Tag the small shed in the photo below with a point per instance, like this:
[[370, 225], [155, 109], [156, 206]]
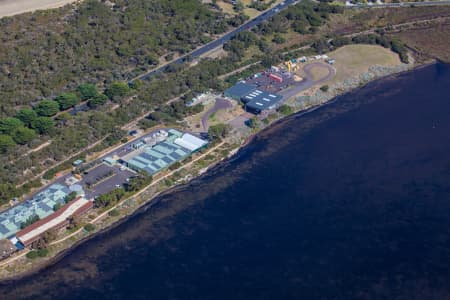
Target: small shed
[[109, 160], [77, 162]]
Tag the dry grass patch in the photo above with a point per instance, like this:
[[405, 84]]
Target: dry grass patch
[[433, 40], [215, 53], [352, 60], [319, 72], [251, 12], [227, 8], [352, 21], [194, 122], [226, 115]]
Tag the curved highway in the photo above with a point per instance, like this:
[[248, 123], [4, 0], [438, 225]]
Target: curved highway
[[222, 40], [258, 20]]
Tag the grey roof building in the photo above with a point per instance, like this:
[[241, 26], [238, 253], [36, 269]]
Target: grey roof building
[[258, 100], [41, 205], [155, 158], [255, 100], [239, 90]]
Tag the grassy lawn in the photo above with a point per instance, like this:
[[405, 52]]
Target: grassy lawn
[[226, 7], [319, 72], [251, 12], [352, 60]]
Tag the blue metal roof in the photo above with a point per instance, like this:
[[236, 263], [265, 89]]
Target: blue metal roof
[[261, 100], [240, 89]]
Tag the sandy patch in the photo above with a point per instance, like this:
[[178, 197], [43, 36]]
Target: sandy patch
[[15, 7]]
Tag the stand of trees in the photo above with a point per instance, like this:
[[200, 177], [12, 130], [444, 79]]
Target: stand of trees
[[113, 44], [28, 123], [395, 45], [218, 131], [32, 219], [304, 17], [95, 43], [98, 44]]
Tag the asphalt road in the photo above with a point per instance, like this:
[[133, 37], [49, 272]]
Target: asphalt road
[[222, 40], [265, 16], [402, 4], [309, 81]]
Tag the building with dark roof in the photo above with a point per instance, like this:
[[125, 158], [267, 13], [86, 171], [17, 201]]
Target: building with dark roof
[[239, 90], [255, 100], [262, 101]]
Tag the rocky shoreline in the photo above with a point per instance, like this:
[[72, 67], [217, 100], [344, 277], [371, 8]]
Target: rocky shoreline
[[306, 103], [319, 97]]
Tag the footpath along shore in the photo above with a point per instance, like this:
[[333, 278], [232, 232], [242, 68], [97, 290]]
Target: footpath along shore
[[19, 266], [98, 218]]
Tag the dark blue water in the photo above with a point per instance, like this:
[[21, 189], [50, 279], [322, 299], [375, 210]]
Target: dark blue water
[[351, 201]]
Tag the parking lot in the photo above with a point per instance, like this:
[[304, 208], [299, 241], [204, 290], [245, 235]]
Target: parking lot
[[263, 81], [104, 178]]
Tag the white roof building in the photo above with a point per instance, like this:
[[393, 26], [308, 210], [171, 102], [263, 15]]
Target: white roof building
[[30, 233], [190, 142]]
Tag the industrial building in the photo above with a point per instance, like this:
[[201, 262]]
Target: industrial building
[[56, 220], [152, 158], [255, 100], [41, 205], [260, 100], [239, 90]]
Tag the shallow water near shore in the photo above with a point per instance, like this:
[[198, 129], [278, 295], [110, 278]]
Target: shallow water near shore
[[350, 201]]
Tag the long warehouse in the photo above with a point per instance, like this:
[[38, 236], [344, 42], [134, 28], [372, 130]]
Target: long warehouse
[[56, 220]]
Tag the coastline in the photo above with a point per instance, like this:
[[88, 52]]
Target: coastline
[[146, 204]]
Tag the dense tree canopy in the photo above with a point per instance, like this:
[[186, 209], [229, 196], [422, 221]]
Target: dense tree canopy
[[97, 100], [47, 108], [9, 125], [23, 135], [95, 43], [27, 116], [87, 91], [43, 125], [6, 143], [67, 100], [117, 89]]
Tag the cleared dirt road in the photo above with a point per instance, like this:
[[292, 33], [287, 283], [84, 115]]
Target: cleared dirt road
[[15, 7]]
